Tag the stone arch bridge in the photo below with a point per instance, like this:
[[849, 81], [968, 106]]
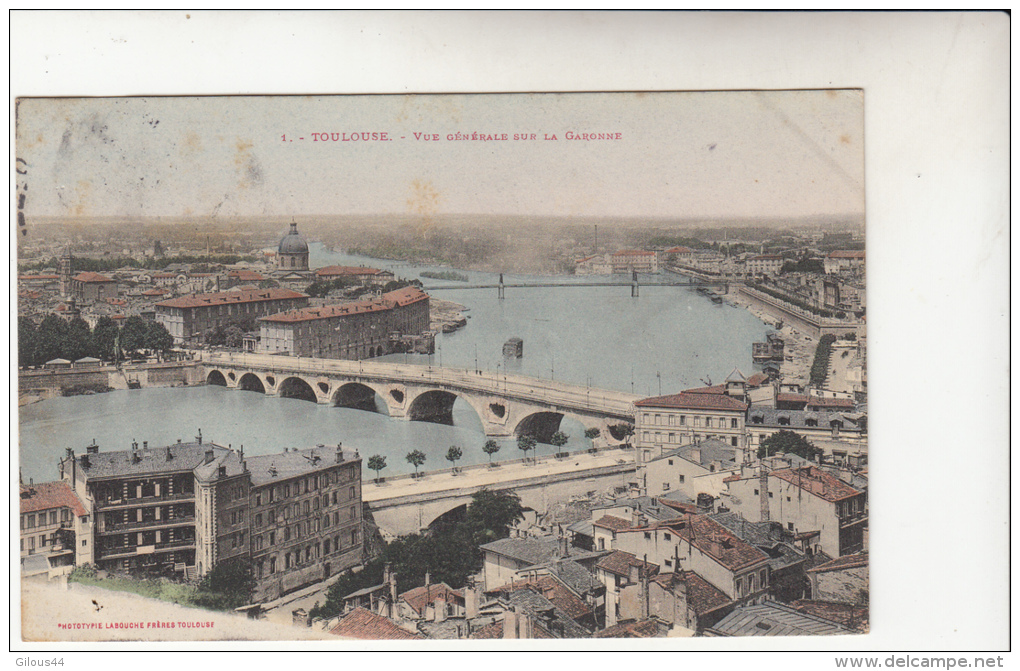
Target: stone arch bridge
[[507, 405]]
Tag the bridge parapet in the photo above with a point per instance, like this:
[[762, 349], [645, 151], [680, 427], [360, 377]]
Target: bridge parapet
[[558, 395]]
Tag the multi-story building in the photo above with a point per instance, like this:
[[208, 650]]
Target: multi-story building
[[187, 318], [353, 330], [634, 260], [823, 512], [303, 518], [92, 287], [51, 518], [765, 264], [366, 276], [663, 423], [184, 508], [843, 260]]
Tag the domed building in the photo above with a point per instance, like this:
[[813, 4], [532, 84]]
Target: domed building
[[292, 255]]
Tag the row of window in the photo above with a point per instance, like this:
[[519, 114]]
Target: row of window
[[303, 528], [44, 540], [751, 583], [303, 509], [303, 556], [648, 437], [306, 485], [681, 420], [30, 520]]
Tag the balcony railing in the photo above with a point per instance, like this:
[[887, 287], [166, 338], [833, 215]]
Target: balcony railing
[[127, 527], [136, 550], [115, 504], [852, 518]]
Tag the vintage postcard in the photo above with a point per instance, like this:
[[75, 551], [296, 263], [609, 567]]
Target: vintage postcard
[[412, 367]]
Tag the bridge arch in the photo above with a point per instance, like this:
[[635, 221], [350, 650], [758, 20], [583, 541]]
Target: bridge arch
[[296, 387], [251, 382], [541, 425], [217, 378], [359, 396], [436, 406]]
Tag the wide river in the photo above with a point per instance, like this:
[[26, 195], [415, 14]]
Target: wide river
[[668, 339]]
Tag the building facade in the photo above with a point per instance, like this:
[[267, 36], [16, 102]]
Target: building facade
[[354, 330], [187, 318], [51, 519], [366, 276], [182, 509], [826, 513], [664, 423], [93, 287]]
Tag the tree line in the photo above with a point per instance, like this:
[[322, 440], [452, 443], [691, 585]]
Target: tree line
[[148, 263], [525, 443], [57, 338]]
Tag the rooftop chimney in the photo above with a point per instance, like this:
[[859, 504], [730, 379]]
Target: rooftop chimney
[[198, 438], [169, 454], [145, 444], [209, 455], [92, 449], [339, 453]]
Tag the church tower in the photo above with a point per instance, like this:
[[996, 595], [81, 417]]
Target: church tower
[[64, 270]]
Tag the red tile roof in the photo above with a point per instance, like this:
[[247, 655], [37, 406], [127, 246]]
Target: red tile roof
[[767, 257], [633, 252], [366, 625], [714, 389], [91, 277], [702, 596], [246, 275], [757, 380], [619, 563], [682, 507], [787, 397], [551, 589], [713, 539], [153, 292], [38, 277], [48, 495], [418, 597], [611, 522], [679, 250], [489, 631], [841, 563], [387, 301], [689, 401], [229, 297], [640, 629], [816, 481], [846, 254]]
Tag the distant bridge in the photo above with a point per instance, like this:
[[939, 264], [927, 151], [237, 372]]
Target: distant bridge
[[506, 404], [633, 283]]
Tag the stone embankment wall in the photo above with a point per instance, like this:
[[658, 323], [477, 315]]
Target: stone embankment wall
[[815, 327], [148, 375]]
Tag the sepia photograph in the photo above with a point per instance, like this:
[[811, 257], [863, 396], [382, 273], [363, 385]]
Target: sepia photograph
[[518, 331], [443, 366]]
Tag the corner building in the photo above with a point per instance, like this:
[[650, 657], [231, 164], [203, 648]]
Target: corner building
[[181, 509]]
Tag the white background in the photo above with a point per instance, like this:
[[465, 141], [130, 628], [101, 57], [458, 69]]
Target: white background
[[937, 174]]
